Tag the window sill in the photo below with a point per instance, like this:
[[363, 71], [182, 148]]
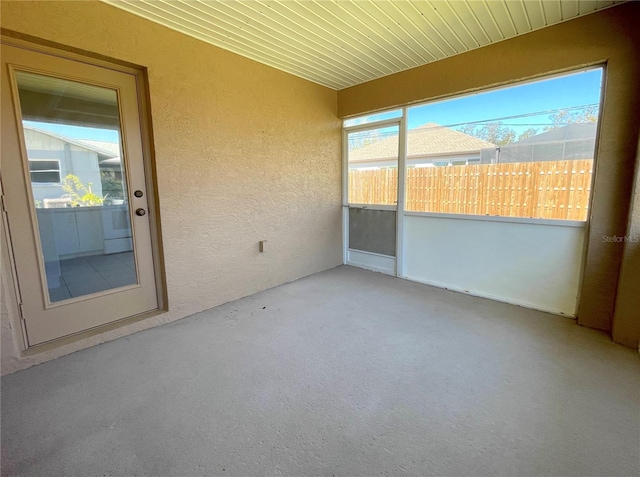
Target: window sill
[[496, 218]]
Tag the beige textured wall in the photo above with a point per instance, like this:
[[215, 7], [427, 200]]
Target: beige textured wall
[[626, 321], [243, 153], [610, 36]]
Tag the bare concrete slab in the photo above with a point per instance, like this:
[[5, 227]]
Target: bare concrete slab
[[346, 372]]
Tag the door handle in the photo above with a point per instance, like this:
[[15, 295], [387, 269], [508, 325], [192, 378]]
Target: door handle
[[140, 212]]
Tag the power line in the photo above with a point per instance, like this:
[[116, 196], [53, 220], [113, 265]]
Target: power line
[[381, 133], [525, 115]]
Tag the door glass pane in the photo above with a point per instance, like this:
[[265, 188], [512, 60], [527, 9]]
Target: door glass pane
[[78, 182], [373, 166]]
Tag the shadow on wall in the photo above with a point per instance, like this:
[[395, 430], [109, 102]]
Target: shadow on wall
[[626, 323]]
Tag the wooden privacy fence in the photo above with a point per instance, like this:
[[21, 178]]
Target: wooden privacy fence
[[548, 190]]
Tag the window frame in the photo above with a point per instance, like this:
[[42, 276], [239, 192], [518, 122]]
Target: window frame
[[58, 170], [356, 128], [402, 162]]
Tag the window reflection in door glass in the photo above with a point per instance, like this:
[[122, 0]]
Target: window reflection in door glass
[[78, 182]]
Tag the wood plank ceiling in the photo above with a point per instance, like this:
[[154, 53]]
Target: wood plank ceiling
[[342, 43]]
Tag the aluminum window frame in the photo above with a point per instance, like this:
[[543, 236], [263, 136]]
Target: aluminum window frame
[[58, 170]]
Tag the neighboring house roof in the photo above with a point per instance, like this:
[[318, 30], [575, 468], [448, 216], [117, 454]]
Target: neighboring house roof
[[112, 147], [104, 152], [571, 132], [430, 139]]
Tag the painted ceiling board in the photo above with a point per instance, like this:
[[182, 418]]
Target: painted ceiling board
[[535, 13], [378, 37], [487, 20], [430, 30], [503, 16], [553, 11], [344, 20], [587, 6], [569, 9], [302, 37], [407, 31], [446, 31], [333, 36], [345, 36], [448, 15], [411, 22], [342, 43], [519, 16], [467, 17]]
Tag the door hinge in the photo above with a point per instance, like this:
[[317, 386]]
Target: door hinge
[[21, 311], [4, 207]]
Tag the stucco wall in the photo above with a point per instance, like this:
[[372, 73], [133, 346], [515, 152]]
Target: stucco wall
[[243, 153], [610, 36], [626, 321]]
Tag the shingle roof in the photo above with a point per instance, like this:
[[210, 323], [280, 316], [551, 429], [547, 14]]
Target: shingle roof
[[430, 139]]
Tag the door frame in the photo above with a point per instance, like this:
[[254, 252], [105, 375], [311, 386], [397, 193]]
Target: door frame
[[399, 208], [13, 296]]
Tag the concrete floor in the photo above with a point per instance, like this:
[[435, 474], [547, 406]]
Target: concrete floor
[[346, 372]]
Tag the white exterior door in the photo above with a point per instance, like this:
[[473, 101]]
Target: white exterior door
[[75, 194]]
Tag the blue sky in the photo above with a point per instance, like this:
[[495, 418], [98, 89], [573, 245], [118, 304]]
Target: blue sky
[[577, 89], [551, 94], [77, 132]]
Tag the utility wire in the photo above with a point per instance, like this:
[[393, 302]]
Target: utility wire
[[383, 133]]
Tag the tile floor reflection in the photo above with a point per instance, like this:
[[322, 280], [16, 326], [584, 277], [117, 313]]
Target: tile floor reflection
[[85, 275]]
